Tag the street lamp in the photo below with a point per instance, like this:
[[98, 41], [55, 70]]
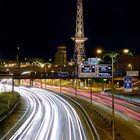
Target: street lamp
[[44, 67], [18, 64], [130, 66], [59, 69], [113, 53]]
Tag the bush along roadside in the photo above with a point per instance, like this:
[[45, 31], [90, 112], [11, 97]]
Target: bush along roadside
[[8, 102]]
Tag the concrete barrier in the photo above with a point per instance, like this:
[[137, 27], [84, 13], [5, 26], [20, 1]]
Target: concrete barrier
[[135, 97]]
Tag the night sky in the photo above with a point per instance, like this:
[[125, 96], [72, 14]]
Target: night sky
[[38, 27]]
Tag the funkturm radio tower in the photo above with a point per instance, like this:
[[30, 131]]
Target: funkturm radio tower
[[79, 50]]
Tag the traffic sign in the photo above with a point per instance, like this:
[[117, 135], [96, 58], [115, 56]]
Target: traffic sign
[[87, 71], [127, 84], [132, 73], [104, 71]]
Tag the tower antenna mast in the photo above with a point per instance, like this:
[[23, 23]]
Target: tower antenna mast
[[79, 39]]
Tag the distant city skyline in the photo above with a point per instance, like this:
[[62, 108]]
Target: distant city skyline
[[38, 27]]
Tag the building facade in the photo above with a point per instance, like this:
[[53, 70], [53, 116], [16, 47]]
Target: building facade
[[61, 56]]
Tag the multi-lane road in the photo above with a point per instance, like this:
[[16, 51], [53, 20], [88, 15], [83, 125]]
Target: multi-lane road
[[127, 114], [48, 117]]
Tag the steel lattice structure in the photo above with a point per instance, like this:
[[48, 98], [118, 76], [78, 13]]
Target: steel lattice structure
[[79, 50]]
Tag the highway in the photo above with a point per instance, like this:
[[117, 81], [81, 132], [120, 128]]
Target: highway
[[127, 114], [48, 117], [131, 109]]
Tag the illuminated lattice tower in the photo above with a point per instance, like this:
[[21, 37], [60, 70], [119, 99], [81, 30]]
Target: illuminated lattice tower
[[79, 50]]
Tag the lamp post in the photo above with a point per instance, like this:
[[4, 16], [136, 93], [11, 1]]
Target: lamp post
[[18, 64], [18, 61], [91, 90], [99, 51], [113, 117], [76, 84], [44, 73], [76, 75], [60, 71]]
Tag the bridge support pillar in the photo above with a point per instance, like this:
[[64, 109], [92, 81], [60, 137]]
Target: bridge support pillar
[[18, 82], [12, 84], [45, 83], [41, 82], [31, 82]]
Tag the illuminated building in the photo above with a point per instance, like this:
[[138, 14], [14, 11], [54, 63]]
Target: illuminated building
[[61, 55]]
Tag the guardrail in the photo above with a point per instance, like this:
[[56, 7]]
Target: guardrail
[[134, 97]]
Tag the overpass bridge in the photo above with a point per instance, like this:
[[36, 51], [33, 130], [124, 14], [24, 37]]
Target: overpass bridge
[[53, 68], [37, 76], [32, 77]]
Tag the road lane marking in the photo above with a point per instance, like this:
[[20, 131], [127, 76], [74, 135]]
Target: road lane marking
[[137, 126], [125, 118]]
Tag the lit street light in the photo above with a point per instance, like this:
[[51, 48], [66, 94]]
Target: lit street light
[[130, 66], [18, 61], [113, 53], [17, 57]]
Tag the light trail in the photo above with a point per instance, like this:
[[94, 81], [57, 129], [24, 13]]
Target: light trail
[[50, 118], [127, 114], [126, 107]]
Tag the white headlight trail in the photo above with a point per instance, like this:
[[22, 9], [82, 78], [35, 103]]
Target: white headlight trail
[[50, 117]]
